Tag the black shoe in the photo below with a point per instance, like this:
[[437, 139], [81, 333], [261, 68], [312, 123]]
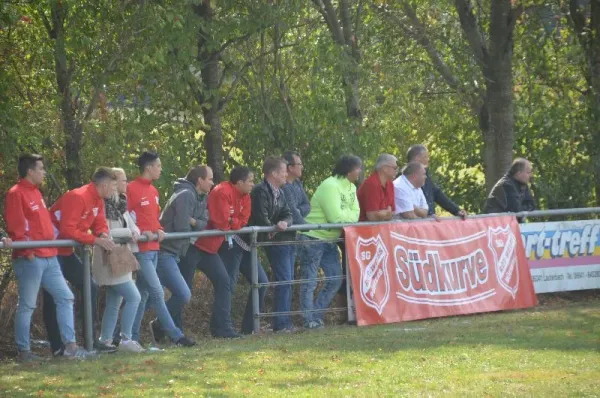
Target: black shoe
[[116, 340], [156, 331], [102, 347], [185, 342]]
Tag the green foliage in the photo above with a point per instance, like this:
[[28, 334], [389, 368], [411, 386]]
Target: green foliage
[[280, 84]]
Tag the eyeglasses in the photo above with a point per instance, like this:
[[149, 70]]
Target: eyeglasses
[[393, 167]]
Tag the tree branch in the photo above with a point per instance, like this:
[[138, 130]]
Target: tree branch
[[346, 21], [472, 30], [328, 12], [418, 34], [49, 28]]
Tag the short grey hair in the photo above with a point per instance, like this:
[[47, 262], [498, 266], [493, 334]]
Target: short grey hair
[[411, 168], [414, 151], [385, 159]]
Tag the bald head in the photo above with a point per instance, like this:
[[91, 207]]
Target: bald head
[[418, 153], [521, 170], [415, 173]]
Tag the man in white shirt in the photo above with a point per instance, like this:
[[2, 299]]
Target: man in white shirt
[[408, 196]]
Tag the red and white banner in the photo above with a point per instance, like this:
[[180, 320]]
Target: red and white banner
[[417, 270]]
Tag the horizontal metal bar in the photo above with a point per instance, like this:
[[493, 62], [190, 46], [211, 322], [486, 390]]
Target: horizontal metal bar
[[271, 314], [298, 242], [307, 227], [301, 281]]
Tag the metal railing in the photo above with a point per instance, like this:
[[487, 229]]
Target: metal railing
[[254, 244]]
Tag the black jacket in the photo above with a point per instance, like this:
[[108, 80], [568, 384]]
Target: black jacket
[[265, 213], [184, 203], [509, 195], [434, 195]]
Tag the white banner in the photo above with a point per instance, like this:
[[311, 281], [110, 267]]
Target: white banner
[[563, 256]]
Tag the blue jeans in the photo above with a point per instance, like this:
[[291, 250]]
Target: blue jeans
[[171, 278], [282, 259], [238, 261], [72, 270], [152, 292], [114, 296], [312, 256], [30, 275]]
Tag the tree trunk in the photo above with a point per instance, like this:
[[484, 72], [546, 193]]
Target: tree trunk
[[71, 127], [594, 97], [499, 89], [350, 81], [344, 35], [494, 57], [587, 29], [209, 97]]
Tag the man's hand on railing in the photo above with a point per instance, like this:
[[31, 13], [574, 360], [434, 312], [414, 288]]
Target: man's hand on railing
[[282, 226], [161, 235], [7, 242], [462, 214], [104, 242]]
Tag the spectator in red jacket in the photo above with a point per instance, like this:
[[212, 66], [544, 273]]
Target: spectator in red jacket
[[75, 214], [28, 219], [228, 209], [143, 206]]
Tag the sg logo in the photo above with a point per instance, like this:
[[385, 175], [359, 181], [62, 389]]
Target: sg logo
[[365, 256]]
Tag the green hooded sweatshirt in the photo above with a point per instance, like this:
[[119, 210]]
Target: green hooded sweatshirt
[[334, 202]]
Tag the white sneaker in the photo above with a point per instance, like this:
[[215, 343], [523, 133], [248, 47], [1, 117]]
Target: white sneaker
[[130, 346]]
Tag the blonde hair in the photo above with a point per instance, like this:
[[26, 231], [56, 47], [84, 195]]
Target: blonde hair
[[117, 171]]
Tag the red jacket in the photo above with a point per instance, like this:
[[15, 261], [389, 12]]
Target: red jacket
[[76, 213], [27, 218], [142, 203], [228, 210]]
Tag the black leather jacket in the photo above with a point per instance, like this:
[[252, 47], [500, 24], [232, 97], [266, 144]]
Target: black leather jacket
[[509, 195], [266, 213], [433, 194]]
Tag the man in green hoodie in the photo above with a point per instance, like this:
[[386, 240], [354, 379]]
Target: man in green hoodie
[[334, 201]]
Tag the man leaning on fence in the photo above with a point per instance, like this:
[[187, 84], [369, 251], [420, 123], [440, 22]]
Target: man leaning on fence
[[511, 193], [334, 201], [74, 214], [300, 207], [269, 209], [376, 193], [409, 198], [432, 192], [185, 212], [228, 209], [143, 205], [28, 219]]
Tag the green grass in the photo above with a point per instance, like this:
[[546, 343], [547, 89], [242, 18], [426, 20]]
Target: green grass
[[544, 352]]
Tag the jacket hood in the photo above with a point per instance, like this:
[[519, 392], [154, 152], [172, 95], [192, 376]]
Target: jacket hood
[[182, 184]]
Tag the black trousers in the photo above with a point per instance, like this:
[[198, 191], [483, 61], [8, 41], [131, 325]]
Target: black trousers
[[212, 266]]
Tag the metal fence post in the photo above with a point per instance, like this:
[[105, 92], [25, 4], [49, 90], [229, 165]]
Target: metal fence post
[[255, 295], [87, 300]]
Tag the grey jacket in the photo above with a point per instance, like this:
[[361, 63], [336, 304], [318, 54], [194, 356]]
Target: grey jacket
[[297, 201], [184, 203]]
